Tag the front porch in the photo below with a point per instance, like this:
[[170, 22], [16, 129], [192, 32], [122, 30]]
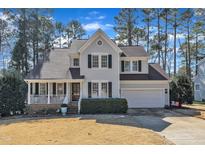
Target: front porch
[[55, 92]]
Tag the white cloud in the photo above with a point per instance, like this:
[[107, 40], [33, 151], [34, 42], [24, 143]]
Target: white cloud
[[101, 17], [93, 13], [96, 25], [87, 18], [109, 25]]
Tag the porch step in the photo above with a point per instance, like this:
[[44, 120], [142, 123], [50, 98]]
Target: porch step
[[72, 109]]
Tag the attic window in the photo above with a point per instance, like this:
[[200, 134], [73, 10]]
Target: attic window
[[99, 42]]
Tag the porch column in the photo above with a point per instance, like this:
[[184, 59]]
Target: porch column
[[49, 93], [67, 91], [29, 93], [81, 89]]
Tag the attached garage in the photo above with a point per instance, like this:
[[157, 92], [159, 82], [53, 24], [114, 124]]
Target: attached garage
[[144, 98]]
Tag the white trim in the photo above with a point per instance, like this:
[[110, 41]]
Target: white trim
[[99, 61], [29, 93], [134, 58], [99, 82], [143, 88], [49, 92], [144, 81], [131, 67], [98, 33], [53, 80]]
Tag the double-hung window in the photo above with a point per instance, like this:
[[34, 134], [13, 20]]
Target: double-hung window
[[104, 89], [95, 61], [43, 89], [60, 89], [95, 89], [134, 66], [127, 66], [104, 61], [75, 62]]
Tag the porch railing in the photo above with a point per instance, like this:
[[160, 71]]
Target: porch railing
[[43, 99]]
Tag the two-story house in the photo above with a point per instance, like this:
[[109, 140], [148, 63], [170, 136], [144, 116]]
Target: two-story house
[[98, 68], [199, 81]]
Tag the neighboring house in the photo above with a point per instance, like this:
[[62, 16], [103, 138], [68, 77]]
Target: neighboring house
[[98, 68], [199, 81]]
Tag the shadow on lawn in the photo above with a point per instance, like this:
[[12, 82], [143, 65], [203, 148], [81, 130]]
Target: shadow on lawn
[[144, 118]]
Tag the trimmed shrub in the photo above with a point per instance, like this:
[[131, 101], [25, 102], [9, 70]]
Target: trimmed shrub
[[101, 105], [12, 93]]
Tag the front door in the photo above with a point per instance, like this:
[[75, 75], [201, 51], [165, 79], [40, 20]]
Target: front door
[[75, 91]]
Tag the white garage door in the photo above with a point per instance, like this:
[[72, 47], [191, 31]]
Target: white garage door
[[145, 98]]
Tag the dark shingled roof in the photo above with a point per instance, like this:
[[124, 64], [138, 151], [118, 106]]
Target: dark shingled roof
[[75, 73], [134, 51], [155, 73]]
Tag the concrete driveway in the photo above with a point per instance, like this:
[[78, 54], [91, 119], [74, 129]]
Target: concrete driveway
[[174, 125]]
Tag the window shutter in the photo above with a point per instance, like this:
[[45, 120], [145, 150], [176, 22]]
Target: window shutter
[[37, 88], [89, 61], [47, 88], [122, 66], [89, 89], [110, 89], [31, 88], [139, 65], [110, 61], [64, 88], [54, 88]]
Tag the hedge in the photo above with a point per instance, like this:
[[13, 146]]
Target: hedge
[[101, 105]]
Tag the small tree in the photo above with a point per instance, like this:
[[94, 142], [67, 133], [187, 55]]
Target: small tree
[[181, 89], [12, 93], [185, 89]]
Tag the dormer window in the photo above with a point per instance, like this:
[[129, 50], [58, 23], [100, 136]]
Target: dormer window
[[76, 62], [134, 66], [127, 66]]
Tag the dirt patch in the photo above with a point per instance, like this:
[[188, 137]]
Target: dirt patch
[[74, 131]]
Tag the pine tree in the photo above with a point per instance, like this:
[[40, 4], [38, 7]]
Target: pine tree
[[125, 26], [148, 17], [75, 30]]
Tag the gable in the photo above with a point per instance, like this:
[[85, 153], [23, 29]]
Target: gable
[[97, 34]]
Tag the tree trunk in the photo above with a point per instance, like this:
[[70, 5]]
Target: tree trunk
[[159, 40], [148, 26], [129, 29], [196, 60], [165, 49], [175, 33], [189, 50]]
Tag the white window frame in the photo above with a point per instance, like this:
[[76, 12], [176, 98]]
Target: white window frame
[[39, 89], [99, 82], [128, 65], [132, 66], [106, 96], [57, 85], [92, 61], [196, 88], [74, 62], [99, 60], [92, 90]]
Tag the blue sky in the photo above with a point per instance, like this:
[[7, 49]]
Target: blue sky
[[91, 19]]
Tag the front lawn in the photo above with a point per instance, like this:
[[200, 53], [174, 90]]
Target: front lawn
[[74, 131]]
